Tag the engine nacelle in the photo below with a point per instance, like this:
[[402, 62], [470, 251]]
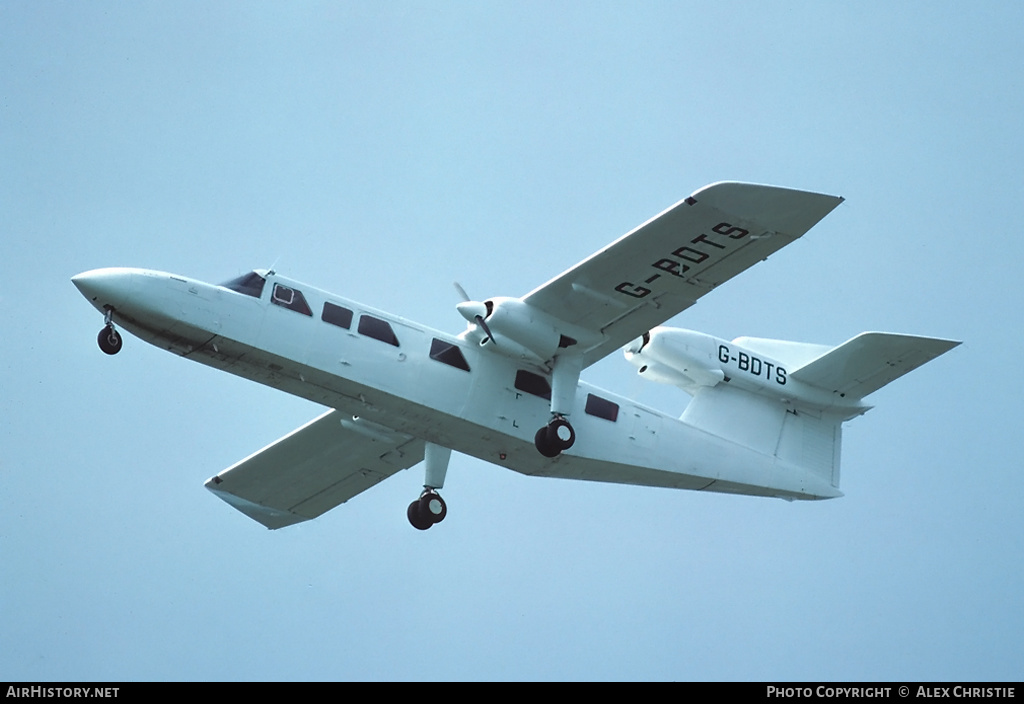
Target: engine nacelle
[[512, 320], [693, 360], [521, 331], [675, 356]]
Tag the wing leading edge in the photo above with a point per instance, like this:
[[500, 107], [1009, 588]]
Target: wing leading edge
[[313, 469], [666, 264]]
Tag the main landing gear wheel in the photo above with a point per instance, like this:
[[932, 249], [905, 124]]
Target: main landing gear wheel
[[427, 510], [110, 340], [555, 438]]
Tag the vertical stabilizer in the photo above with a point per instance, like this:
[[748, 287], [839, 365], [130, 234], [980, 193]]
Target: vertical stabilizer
[[799, 437], [799, 425]]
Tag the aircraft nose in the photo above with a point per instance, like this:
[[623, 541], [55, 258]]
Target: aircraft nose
[[105, 287]]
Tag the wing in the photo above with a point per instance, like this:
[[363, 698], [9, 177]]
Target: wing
[[662, 267], [313, 469]]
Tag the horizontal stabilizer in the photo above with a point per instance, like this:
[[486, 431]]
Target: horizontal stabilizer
[[869, 361]]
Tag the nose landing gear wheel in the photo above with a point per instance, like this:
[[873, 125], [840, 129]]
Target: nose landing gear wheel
[[427, 510], [110, 340], [555, 437]]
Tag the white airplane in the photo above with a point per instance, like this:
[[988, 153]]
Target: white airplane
[[765, 418]]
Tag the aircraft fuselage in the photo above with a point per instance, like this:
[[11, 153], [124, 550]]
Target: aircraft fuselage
[[386, 372]]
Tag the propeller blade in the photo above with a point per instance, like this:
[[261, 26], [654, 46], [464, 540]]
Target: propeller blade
[[474, 312], [639, 343], [483, 324]]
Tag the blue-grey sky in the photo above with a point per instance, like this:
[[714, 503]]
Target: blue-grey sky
[[384, 150]]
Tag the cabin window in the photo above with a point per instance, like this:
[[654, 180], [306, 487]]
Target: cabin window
[[533, 384], [250, 284], [377, 329], [336, 315], [602, 408], [291, 299], [447, 353]]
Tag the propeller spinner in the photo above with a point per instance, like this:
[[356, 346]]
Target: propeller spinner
[[475, 312]]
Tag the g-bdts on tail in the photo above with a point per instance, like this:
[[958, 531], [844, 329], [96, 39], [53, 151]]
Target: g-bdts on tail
[[787, 400]]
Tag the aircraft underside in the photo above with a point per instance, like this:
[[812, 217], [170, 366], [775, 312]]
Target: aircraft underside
[[765, 418]]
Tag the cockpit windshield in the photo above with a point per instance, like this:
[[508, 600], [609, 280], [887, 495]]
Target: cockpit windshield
[[250, 284]]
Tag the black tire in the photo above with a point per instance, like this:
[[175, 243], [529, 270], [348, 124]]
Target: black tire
[[433, 507], [561, 434], [110, 340], [418, 521], [544, 444]]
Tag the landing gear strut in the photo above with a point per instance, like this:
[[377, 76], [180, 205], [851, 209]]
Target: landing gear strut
[[555, 437], [427, 510], [430, 507], [558, 435], [109, 338]]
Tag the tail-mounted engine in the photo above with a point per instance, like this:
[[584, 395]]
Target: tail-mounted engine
[[675, 356], [806, 375]]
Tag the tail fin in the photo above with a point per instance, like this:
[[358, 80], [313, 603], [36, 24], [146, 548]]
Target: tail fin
[[869, 361], [796, 438], [807, 437]]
